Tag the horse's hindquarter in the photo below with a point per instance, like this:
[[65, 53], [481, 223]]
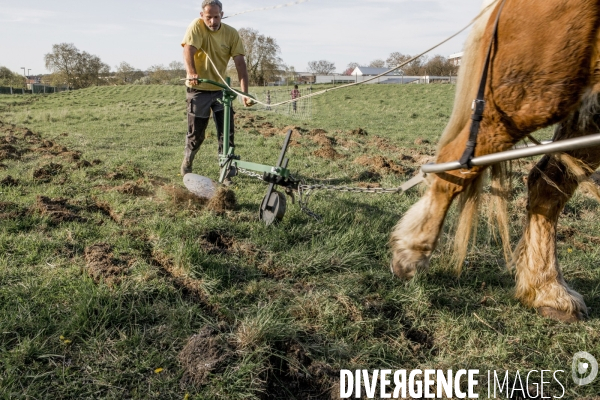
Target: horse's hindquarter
[[545, 59]]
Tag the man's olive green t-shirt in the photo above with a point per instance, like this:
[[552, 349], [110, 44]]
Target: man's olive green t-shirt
[[221, 46]]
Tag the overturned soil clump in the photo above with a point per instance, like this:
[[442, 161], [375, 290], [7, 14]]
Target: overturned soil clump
[[133, 189], [381, 165], [296, 131], [181, 196], [57, 210], [9, 181], [204, 353], [102, 266], [223, 201], [323, 140], [9, 152], [10, 210], [317, 131], [358, 132], [329, 153], [47, 172]]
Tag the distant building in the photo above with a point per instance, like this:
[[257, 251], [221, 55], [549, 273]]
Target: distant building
[[33, 79], [370, 71], [455, 58]]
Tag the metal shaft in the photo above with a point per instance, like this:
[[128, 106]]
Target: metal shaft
[[227, 114], [554, 147]]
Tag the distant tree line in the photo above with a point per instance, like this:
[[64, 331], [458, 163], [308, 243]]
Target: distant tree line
[[436, 65], [77, 69]]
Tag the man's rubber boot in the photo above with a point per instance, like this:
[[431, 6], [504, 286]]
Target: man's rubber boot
[[188, 159]]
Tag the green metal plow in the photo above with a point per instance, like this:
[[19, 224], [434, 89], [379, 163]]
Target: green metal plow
[[273, 205]]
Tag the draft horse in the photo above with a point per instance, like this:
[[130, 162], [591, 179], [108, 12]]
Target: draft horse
[[544, 69]]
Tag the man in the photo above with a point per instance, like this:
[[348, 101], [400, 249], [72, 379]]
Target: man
[[208, 36]]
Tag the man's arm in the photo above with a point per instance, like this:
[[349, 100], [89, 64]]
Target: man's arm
[[242, 70], [190, 67]]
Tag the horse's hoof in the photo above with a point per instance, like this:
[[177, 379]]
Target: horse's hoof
[[560, 315], [406, 263], [401, 272]]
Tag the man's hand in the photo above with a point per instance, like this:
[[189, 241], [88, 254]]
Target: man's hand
[[192, 80], [248, 102]]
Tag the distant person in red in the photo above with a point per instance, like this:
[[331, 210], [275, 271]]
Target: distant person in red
[[295, 94]]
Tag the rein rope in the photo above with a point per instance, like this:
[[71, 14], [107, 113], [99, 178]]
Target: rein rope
[[356, 83]]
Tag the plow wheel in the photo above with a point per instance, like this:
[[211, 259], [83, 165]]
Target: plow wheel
[[273, 208]]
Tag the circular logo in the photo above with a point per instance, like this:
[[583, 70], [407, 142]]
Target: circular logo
[[584, 367]]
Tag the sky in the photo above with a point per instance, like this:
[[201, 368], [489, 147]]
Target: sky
[[149, 32]]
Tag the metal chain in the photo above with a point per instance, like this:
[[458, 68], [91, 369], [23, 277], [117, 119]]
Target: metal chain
[[250, 173], [303, 203], [350, 189]]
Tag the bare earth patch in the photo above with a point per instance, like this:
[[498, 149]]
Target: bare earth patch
[[133, 189], [58, 210], [380, 164], [329, 153], [204, 353], [10, 210], [102, 266], [9, 181], [47, 172]]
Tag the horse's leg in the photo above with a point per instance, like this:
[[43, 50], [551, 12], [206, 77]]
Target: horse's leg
[[540, 283], [415, 236]]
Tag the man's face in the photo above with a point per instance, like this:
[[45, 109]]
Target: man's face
[[211, 15]]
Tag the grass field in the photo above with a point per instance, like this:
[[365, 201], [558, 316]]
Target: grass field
[[114, 283]]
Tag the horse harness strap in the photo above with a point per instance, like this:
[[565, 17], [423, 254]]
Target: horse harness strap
[[479, 102]]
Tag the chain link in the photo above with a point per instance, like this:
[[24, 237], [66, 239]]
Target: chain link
[[250, 173], [350, 189]]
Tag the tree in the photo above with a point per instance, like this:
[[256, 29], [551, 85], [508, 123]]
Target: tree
[[177, 72], [74, 68], [159, 74], [396, 59], [440, 66], [126, 74], [9, 78], [413, 68], [262, 56], [321, 67], [379, 63], [90, 71]]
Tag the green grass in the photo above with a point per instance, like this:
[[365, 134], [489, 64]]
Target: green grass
[[277, 310]]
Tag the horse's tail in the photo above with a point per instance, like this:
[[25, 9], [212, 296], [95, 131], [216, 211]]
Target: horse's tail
[[466, 90], [496, 208]]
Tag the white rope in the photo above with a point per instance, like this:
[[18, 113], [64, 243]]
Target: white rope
[[293, 3], [355, 83]]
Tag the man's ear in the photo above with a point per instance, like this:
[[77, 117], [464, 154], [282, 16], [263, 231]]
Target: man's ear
[[222, 13], [201, 14]]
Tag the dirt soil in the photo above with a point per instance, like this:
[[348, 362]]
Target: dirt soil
[[133, 188], [58, 210], [9, 181], [380, 165], [10, 210], [102, 266], [47, 172], [223, 201], [329, 153], [204, 353]]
